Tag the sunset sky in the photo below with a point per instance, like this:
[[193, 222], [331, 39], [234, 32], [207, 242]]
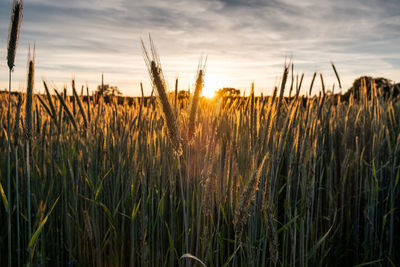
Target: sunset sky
[[245, 41]]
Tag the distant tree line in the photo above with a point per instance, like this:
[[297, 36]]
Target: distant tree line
[[106, 89]]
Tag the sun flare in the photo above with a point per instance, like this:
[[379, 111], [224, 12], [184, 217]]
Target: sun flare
[[211, 85]]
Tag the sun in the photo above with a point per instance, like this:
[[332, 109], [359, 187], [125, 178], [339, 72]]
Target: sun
[[211, 85]]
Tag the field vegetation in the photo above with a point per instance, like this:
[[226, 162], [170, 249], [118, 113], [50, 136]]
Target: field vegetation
[[305, 180], [272, 181]]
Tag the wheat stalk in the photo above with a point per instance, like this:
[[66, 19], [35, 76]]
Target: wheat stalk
[[17, 120], [282, 90], [337, 75], [322, 84], [13, 36], [44, 105], [196, 99], [176, 96], [312, 83], [154, 67], [16, 137], [241, 213], [64, 105], [253, 115], [29, 95], [53, 113], [157, 77], [78, 100], [28, 134]]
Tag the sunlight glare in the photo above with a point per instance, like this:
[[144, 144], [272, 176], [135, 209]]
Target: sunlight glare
[[211, 85]]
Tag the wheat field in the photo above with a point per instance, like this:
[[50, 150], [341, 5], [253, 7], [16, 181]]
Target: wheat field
[[304, 180], [246, 181]]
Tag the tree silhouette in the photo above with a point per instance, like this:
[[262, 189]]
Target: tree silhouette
[[106, 89], [228, 92]]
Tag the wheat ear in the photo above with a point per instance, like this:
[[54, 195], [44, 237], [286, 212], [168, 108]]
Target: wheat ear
[[157, 77], [196, 99]]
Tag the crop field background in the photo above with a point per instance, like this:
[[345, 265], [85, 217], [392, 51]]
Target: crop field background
[[178, 179], [249, 181]]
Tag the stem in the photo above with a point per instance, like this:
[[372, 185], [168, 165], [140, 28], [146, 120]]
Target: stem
[[183, 208], [9, 170], [28, 169], [17, 203]]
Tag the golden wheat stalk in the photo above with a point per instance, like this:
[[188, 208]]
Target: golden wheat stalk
[[253, 115], [282, 90], [241, 213], [157, 77], [176, 96], [196, 98]]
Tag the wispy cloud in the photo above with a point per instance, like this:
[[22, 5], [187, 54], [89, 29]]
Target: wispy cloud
[[245, 40]]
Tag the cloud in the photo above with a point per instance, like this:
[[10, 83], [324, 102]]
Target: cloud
[[245, 40]]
